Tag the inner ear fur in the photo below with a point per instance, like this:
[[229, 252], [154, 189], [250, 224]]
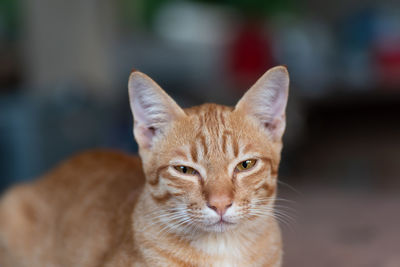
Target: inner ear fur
[[152, 108], [266, 101]]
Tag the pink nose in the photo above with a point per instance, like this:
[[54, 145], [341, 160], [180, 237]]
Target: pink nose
[[219, 203]]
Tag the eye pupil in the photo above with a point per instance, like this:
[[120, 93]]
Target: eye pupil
[[184, 169], [245, 163]]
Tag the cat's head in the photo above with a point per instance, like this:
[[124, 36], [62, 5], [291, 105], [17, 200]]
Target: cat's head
[[211, 167]]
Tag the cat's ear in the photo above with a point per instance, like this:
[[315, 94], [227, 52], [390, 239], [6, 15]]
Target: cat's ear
[[266, 101], [153, 110]]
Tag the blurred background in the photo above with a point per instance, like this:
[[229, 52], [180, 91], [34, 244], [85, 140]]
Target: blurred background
[[64, 67]]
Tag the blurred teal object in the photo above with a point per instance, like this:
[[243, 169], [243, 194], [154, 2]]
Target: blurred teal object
[[20, 153], [307, 47]]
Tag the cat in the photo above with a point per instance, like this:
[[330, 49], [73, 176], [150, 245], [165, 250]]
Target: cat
[[201, 194]]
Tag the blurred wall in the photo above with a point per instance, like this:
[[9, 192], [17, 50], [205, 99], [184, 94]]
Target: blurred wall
[[69, 41], [64, 66]]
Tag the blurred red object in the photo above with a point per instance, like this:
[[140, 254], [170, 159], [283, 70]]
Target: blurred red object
[[388, 62], [250, 55]]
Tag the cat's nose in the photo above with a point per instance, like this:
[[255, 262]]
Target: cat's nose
[[219, 203]]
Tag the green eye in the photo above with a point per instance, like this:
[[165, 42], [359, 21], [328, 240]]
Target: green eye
[[185, 170], [245, 165]]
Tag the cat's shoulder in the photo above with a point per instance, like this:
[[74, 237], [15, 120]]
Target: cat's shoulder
[[105, 158], [94, 172], [87, 175], [88, 185]]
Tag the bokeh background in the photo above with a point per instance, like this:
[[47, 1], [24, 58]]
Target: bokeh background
[[64, 67]]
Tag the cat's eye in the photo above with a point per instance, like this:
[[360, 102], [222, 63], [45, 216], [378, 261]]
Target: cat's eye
[[245, 165], [186, 170]]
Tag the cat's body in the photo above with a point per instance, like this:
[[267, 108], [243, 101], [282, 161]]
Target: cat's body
[[56, 222], [188, 206]]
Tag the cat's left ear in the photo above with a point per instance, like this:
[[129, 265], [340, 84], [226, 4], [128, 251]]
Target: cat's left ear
[[266, 101], [153, 109]]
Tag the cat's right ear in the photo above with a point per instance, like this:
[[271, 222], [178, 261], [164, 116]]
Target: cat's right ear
[[153, 110]]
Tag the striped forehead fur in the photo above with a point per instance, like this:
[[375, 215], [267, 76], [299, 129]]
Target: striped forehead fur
[[214, 130]]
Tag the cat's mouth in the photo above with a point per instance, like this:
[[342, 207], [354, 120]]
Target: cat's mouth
[[220, 226], [222, 223]]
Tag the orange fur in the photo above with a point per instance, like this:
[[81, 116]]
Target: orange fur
[[105, 208]]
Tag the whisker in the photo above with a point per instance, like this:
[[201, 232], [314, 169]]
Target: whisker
[[290, 187]]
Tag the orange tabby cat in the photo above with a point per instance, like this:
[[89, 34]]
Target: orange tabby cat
[[202, 196]]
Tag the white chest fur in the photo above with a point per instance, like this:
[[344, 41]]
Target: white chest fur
[[225, 250]]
